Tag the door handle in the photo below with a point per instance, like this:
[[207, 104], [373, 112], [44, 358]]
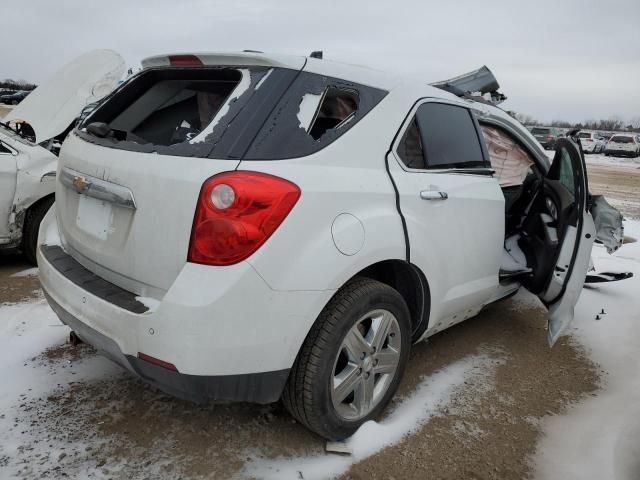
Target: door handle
[[433, 195]]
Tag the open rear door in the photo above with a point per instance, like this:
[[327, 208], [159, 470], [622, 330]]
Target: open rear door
[[563, 213]]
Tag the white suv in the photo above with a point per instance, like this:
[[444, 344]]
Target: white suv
[[623, 145], [591, 142], [251, 227]]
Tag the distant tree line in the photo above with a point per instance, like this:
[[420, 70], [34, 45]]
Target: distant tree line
[[613, 124], [16, 85]]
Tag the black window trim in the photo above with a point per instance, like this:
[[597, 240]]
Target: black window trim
[[11, 150], [485, 170]]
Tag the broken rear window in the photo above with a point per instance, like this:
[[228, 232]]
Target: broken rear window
[[200, 112]]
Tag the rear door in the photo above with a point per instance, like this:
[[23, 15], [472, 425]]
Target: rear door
[[565, 193], [452, 207]]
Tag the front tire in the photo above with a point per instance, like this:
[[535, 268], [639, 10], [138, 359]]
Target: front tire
[[352, 360], [32, 221]]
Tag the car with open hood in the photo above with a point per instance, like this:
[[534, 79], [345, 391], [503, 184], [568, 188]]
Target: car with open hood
[[254, 227], [30, 139]]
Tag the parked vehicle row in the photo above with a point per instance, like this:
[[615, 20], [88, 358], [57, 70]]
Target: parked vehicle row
[[14, 98], [592, 142], [253, 227]]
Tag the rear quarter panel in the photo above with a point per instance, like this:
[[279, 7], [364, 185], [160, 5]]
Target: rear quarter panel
[[348, 176]]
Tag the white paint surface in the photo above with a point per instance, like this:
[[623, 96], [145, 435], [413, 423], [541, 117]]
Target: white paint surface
[[95, 217]]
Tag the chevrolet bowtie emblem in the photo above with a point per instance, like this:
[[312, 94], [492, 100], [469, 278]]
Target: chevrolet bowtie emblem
[[80, 184]]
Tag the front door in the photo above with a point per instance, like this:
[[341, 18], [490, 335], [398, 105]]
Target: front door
[[566, 194]]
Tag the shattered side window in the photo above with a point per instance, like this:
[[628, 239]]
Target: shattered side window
[[314, 112]]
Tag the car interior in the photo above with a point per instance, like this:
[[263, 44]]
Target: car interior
[[537, 213], [161, 110]]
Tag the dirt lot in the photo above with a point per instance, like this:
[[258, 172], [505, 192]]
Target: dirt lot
[[114, 426], [4, 109]]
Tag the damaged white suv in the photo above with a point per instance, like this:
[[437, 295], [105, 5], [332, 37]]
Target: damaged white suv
[[250, 227], [30, 139]]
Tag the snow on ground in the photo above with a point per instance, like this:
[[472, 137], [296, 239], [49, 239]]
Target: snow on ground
[[26, 331], [602, 159], [29, 272], [426, 401], [600, 438]]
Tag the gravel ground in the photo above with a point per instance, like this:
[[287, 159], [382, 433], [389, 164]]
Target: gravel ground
[[114, 426]]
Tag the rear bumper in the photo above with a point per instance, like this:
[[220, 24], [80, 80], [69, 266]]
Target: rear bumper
[[264, 387]]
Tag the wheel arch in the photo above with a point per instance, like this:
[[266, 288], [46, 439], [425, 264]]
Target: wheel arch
[[411, 283]]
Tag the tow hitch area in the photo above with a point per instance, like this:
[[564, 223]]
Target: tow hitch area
[[607, 277], [74, 339]]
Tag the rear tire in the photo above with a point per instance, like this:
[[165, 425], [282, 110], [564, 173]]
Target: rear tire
[[32, 221], [327, 369]]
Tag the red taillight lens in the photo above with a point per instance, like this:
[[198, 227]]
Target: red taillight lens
[[236, 213], [550, 137], [184, 60]]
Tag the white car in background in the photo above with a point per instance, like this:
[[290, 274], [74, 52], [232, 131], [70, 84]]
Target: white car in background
[[623, 145], [592, 142], [250, 227], [30, 139]]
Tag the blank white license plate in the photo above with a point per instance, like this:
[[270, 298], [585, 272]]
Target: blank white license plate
[[95, 217]]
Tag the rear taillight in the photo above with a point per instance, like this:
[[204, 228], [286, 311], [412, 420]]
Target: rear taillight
[[236, 213], [551, 137], [184, 61]]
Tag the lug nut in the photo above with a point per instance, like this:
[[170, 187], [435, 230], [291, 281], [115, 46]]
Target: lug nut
[[359, 371], [375, 362], [362, 356], [366, 375]]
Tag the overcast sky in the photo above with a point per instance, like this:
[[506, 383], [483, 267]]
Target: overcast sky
[[566, 59]]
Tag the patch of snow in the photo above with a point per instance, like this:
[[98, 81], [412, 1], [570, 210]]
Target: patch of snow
[[427, 401], [243, 86], [263, 79], [26, 331], [51, 234], [29, 272], [308, 106], [600, 437], [151, 303]]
